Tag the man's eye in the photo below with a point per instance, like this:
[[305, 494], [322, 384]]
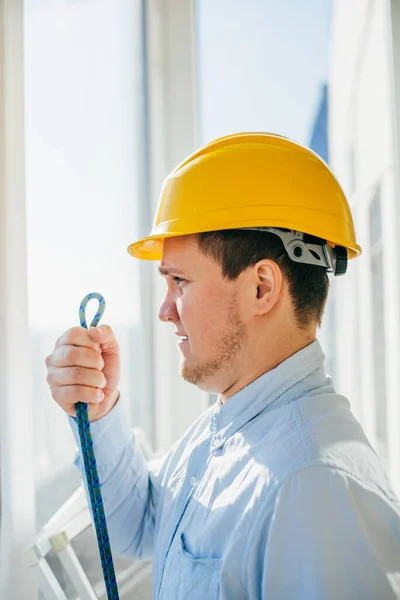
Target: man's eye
[[178, 280]]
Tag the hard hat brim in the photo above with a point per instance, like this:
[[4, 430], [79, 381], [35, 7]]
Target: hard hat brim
[[151, 247]]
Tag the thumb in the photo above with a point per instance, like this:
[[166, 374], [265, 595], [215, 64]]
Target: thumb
[[104, 335], [96, 334]]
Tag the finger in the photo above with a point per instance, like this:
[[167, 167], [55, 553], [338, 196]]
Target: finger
[[81, 356], [72, 376], [95, 411], [69, 395], [77, 336]]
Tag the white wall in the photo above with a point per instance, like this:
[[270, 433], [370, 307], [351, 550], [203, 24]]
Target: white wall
[[362, 146]]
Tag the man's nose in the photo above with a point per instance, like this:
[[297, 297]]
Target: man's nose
[[167, 311]]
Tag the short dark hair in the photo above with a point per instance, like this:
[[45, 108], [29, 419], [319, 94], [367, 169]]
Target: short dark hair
[[236, 250]]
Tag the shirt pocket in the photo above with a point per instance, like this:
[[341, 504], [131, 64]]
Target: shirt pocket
[[199, 577]]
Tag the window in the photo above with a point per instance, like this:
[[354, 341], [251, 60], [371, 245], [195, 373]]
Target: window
[[267, 73], [85, 181]]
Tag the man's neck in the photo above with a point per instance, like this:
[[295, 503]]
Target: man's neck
[[254, 373]]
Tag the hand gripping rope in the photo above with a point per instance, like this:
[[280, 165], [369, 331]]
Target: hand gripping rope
[[92, 477]]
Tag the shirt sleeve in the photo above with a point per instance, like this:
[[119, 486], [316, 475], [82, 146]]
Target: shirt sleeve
[[130, 486], [328, 537]]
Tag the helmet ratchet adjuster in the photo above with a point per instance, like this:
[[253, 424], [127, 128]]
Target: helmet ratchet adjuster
[[322, 255]]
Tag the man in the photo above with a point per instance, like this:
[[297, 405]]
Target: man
[[274, 492]]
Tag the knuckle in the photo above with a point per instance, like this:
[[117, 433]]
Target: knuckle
[[57, 393], [69, 352], [68, 395], [75, 331], [63, 337], [70, 336], [61, 396], [78, 374], [88, 395], [94, 395], [59, 340], [94, 359], [97, 359]]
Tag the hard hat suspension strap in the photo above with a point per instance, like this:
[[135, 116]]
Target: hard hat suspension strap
[[334, 260]]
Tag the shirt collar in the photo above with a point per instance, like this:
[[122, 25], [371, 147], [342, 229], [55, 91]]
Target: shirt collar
[[298, 374]]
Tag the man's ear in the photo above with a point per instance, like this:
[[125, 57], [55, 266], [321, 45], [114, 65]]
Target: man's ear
[[269, 281]]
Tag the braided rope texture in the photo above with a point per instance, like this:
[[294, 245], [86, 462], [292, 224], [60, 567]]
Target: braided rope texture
[[92, 477]]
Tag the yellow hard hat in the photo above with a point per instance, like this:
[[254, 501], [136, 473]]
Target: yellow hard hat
[[251, 180]]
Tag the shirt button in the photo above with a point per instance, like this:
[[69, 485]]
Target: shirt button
[[216, 442], [193, 480]]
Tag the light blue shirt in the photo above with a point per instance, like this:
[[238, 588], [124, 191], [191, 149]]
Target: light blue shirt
[[275, 494]]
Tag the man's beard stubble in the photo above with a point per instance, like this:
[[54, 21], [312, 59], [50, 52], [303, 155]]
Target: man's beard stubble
[[227, 349]]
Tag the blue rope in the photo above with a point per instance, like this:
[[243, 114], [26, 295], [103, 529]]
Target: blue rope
[[92, 477]]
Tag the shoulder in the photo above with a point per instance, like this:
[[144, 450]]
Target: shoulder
[[332, 437], [317, 430]]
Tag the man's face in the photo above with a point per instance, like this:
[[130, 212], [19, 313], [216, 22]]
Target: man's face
[[206, 308]]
